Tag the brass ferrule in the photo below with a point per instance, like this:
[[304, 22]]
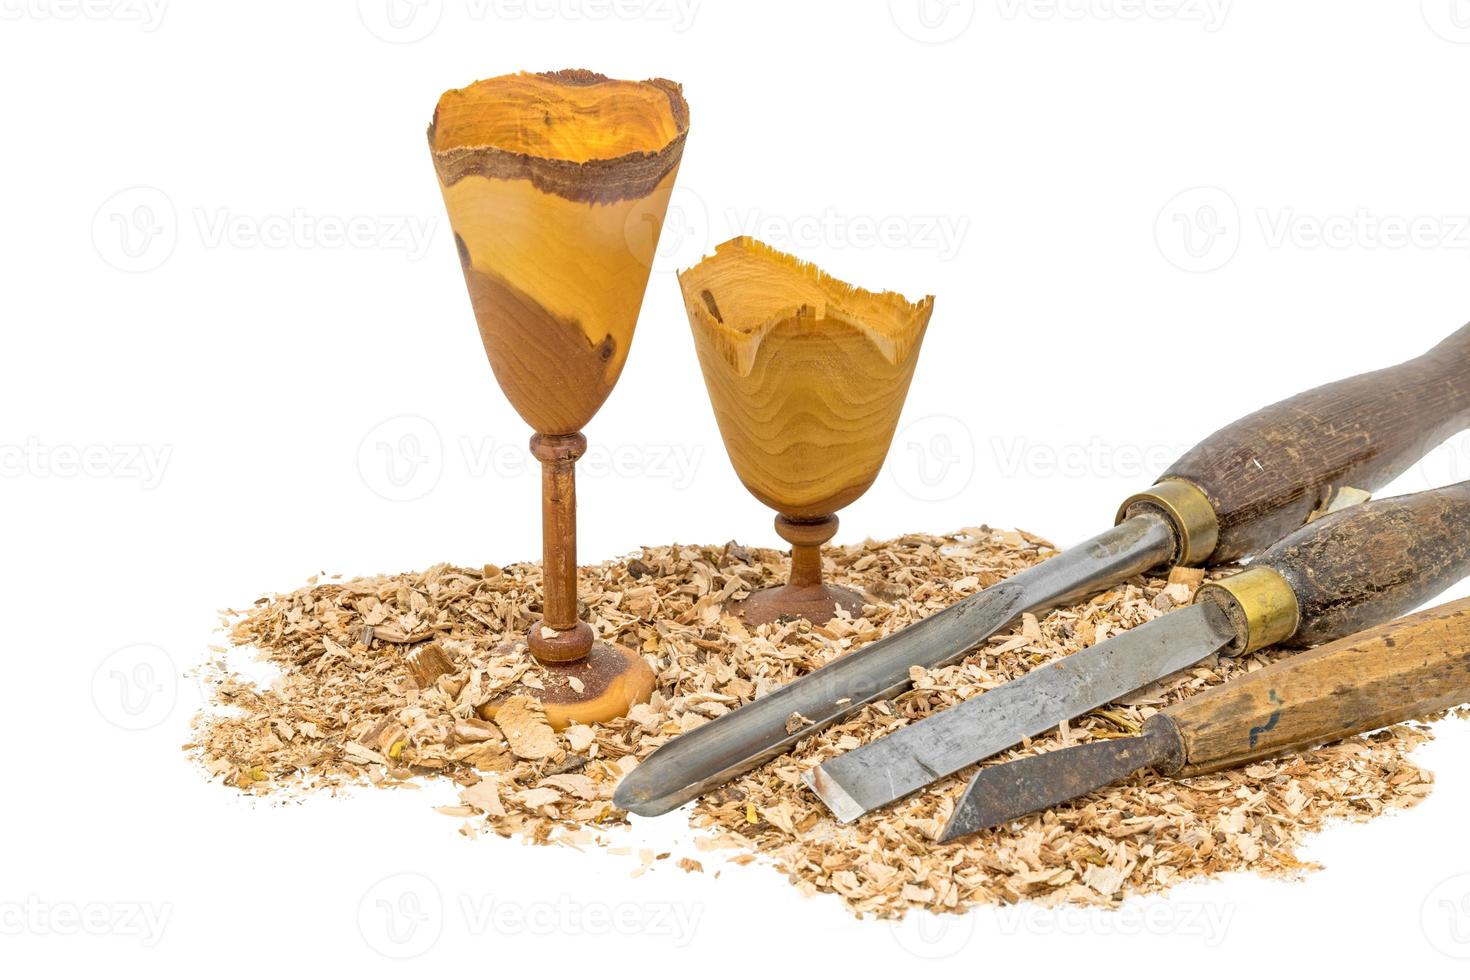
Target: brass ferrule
[[1261, 605], [1188, 509]]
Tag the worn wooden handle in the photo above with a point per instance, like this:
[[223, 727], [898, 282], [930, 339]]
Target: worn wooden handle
[[1367, 564], [1268, 472], [1391, 673]]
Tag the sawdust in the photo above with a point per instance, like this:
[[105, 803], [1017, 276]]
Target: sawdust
[[359, 701]]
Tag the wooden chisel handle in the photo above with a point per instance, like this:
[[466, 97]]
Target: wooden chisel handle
[[1388, 674], [1263, 476], [1349, 570]]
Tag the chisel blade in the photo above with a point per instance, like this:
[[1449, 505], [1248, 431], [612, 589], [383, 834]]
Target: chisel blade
[[913, 757], [999, 794], [761, 730]]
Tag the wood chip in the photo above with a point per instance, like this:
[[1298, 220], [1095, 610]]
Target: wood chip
[[428, 663], [344, 712], [524, 724]]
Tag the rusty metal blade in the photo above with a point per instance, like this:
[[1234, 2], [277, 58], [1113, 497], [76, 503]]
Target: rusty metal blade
[[999, 794], [759, 731], [913, 757]]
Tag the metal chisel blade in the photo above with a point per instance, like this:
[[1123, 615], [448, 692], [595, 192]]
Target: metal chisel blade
[[761, 730], [999, 794], [940, 745]]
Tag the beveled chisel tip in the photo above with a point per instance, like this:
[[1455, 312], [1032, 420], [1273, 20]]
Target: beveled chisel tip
[[830, 791]]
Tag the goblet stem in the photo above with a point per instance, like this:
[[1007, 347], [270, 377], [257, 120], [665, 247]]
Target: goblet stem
[[805, 595], [559, 636], [806, 538]]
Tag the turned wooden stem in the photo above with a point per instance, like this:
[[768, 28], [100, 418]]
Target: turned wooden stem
[[573, 638], [806, 538]]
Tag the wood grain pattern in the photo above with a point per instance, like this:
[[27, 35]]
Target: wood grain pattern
[[1391, 673], [556, 187], [612, 677], [807, 375], [1268, 472], [1370, 563], [559, 635]]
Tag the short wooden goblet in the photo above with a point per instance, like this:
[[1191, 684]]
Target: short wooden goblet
[[807, 376], [556, 186]]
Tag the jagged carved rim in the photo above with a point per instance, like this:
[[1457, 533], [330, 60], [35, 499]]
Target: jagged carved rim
[[897, 341]]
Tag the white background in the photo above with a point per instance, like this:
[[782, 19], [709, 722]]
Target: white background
[[1140, 222]]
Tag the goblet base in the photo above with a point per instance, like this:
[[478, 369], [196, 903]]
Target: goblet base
[[613, 679], [815, 603]]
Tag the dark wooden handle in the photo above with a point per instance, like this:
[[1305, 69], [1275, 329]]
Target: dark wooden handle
[[1268, 472], [1367, 564], [1388, 674]]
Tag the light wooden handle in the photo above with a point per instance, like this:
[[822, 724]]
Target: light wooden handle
[[1267, 473], [1391, 673]]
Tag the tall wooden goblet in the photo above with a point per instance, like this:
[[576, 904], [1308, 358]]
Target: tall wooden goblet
[[556, 186], [807, 376]]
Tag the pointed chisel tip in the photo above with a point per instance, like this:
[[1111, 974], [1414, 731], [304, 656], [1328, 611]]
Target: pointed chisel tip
[[1000, 794]]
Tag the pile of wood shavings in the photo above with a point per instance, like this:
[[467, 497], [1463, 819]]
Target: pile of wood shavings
[[353, 705]]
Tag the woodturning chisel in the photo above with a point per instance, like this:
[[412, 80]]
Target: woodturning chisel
[[1232, 495], [1406, 669], [1337, 575]]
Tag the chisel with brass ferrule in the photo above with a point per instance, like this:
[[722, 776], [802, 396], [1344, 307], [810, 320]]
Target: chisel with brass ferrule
[[1382, 676], [1233, 494], [1337, 575]]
